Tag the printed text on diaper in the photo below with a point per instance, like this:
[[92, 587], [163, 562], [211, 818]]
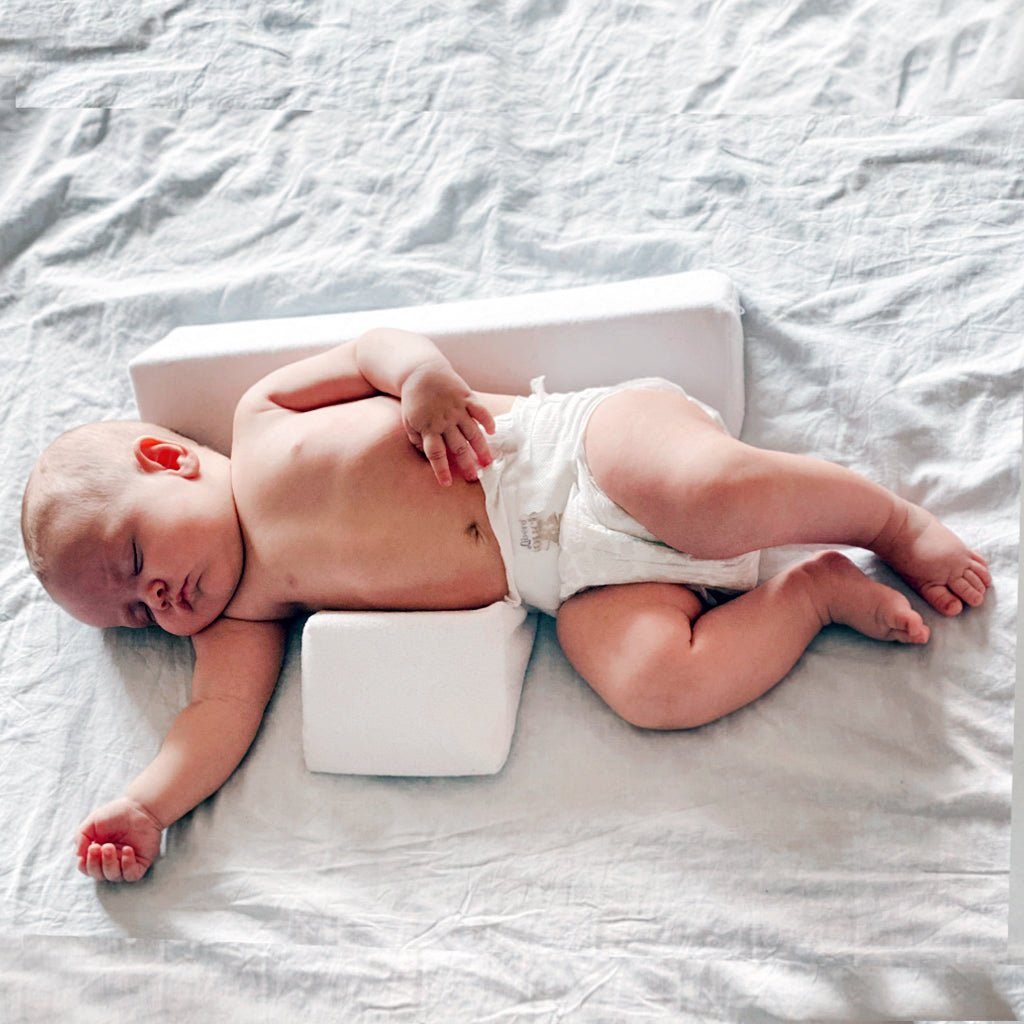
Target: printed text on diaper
[[539, 531]]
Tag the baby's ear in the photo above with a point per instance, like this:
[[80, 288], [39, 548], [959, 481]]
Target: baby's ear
[[156, 454]]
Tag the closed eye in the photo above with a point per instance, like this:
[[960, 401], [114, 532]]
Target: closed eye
[[148, 619]]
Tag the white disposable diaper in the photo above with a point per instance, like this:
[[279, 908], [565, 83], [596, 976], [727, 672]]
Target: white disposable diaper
[[558, 531]]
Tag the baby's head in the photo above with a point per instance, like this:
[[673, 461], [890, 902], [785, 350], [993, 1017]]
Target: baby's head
[[129, 524]]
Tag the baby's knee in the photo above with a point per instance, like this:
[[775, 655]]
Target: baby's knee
[[631, 643], [675, 689], [680, 709], [668, 690]]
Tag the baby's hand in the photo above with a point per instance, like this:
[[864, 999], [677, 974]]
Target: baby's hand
[[438, 407], [118, 842]]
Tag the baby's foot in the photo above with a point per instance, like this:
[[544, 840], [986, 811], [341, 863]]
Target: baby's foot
[[870, 608], [932, 559]]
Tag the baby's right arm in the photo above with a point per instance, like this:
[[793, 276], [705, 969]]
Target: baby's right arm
[[236, 669]]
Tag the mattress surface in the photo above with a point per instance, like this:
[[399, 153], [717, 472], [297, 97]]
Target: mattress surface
[[838, 849]]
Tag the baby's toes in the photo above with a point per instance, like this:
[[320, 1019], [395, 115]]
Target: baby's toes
[[941, 599], [977, 580], [912, 625], [980, 571], [972, 593]]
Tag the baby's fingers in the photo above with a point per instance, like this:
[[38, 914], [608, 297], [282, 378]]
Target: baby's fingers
[[462, 451], [436, 452], [471, 431], [103, 863], [483, 414], [130, 867], [111, 863], [94, 861], [82, 844]]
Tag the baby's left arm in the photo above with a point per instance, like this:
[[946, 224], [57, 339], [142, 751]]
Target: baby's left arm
[[377, 362]]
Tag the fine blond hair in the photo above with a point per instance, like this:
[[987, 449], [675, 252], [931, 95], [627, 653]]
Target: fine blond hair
[[70, 487]]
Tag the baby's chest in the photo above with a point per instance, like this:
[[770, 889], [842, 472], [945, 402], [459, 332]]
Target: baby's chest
[[345, 513]]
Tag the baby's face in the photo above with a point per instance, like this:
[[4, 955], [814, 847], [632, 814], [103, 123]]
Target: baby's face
[[170, 552]]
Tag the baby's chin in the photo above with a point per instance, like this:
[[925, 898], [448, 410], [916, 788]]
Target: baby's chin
[[196, 624], [186, 630]]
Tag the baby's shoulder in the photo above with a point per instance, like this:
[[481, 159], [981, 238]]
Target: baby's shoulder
[[238, 658], [250, 639], [229, 631], [252, 414], [256, 434]]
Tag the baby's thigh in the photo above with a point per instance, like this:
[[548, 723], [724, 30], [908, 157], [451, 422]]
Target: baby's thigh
[[628, 642], [645, 444]]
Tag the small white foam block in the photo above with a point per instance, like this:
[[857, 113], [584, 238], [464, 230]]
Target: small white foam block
[[437, 693], [413, 693]]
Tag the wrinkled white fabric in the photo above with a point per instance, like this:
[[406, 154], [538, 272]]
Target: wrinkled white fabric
[[828, 851], [653, 57]]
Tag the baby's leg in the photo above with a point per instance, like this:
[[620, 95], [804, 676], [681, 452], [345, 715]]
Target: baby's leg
[[658, 672], [713, 496], [799, 499]]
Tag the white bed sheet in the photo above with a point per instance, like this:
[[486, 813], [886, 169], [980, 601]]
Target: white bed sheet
[[777, 863], [644, 56]]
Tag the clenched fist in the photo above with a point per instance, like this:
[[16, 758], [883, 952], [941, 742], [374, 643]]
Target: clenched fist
[[118, 841]]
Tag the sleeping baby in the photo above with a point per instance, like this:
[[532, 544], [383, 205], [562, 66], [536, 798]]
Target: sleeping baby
[[372, 476]]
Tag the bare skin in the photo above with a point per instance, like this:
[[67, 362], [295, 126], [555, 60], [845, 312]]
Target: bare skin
[[932, 559], [378, 531], [846, 596]]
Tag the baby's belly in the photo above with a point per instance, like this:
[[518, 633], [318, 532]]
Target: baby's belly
[[412, 544], [442, 554]]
